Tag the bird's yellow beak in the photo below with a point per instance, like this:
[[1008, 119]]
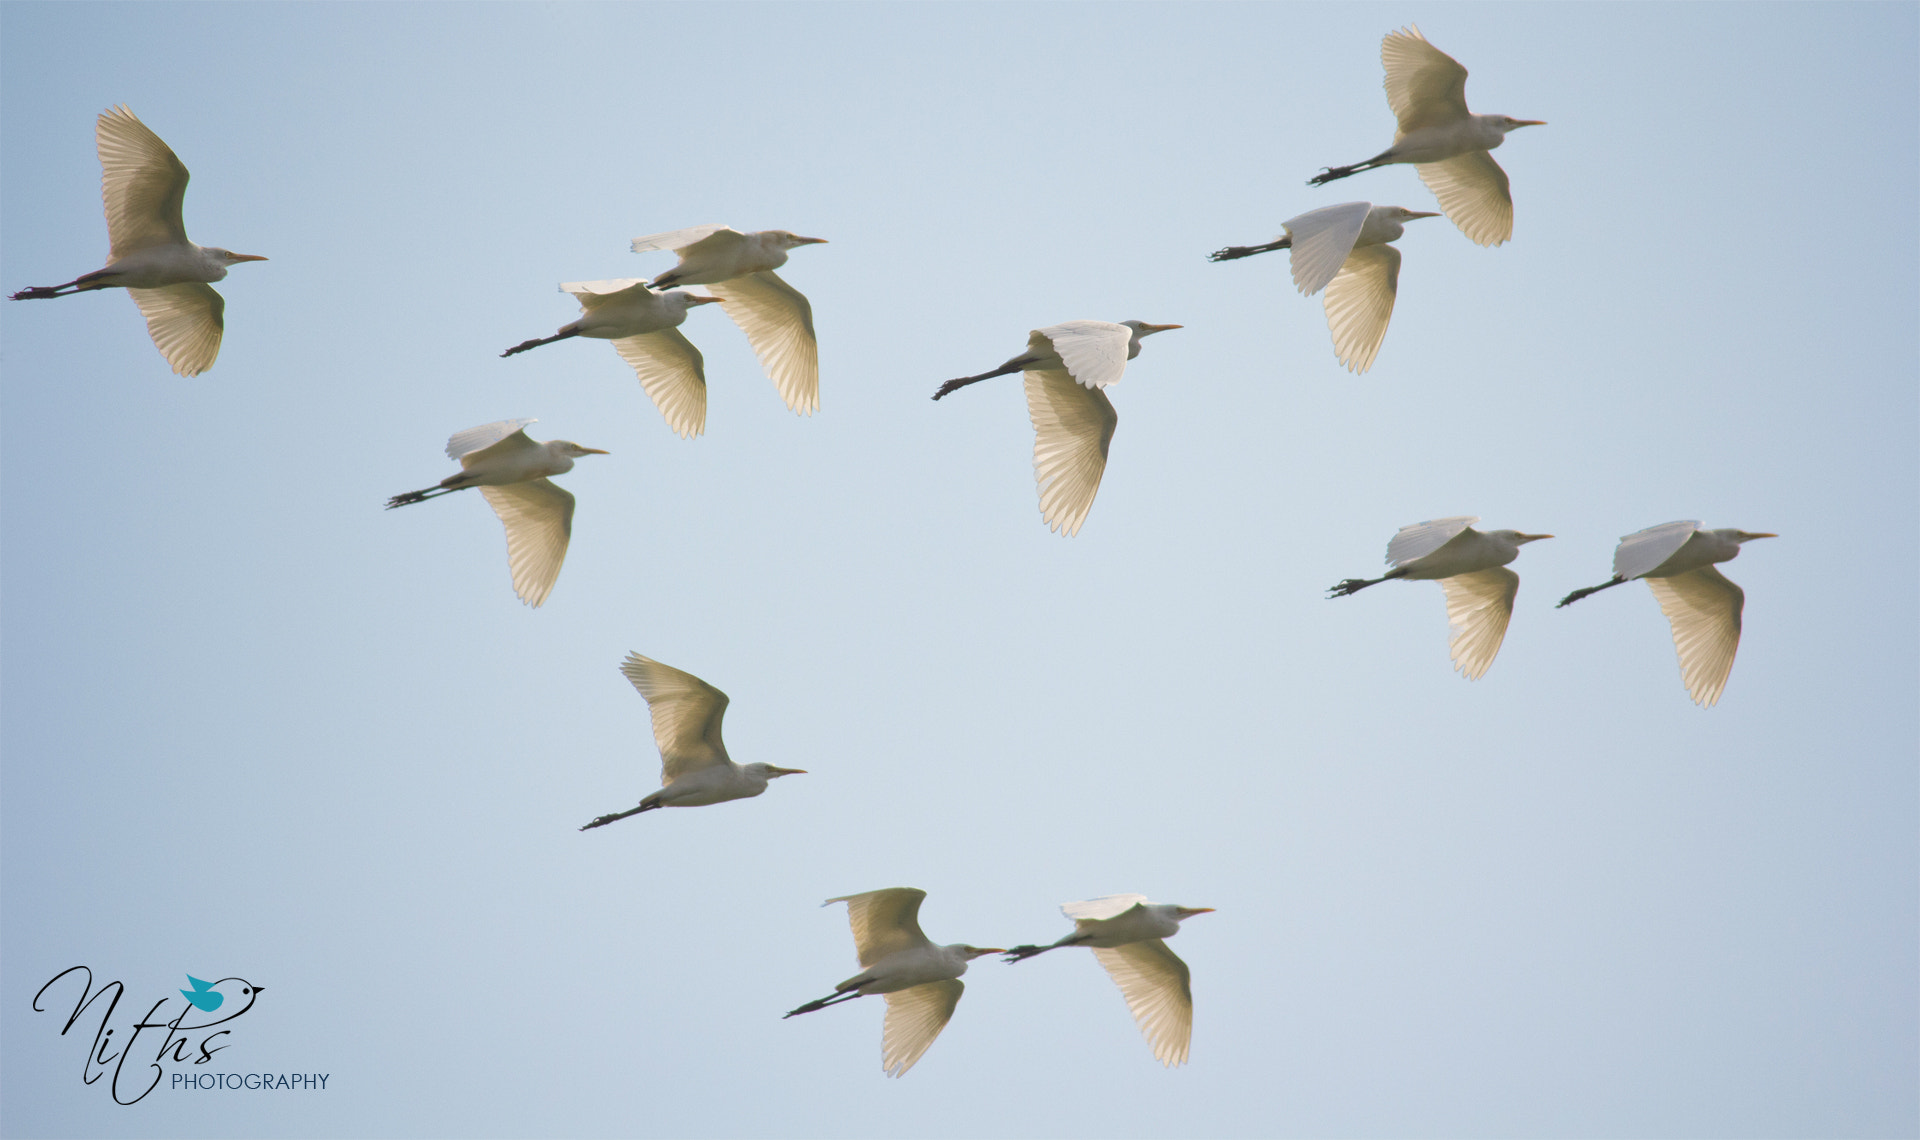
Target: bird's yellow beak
[[697, 300], [1763, 534], [810, 241], [1190, 911], [1161, 328], [1534, 537], [595, 451], [786, 771], [1412, 214], [246, 257], [1529, 122]]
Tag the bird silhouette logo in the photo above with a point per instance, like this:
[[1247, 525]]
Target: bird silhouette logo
[[204, 997]]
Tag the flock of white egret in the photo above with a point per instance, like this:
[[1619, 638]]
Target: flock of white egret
[[1342, 249]]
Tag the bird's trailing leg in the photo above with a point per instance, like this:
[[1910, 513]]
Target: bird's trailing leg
[[822, 1003], [604, 820], [1581, 593], [537, 342], [1022, 953], [1233, 251], [80, 284], [1355, 585], [403, 499], [956, 385], [1329, 173]]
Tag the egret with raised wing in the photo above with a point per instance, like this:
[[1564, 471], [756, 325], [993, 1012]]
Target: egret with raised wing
[[739, 269], [694, 766], [920, 980], [644, 328], [149, 255], [1702, 605], [1343, 249], [1446, 143], [1066, 368], [511, 471], [1471, 568], [1127, 936]]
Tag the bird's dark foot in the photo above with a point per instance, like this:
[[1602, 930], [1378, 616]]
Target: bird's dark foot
[[38, 292], [1231, 252], [522, 347], [1021, 953], [1350, 586], [1329, 174], [664, 281], [950, 387], [409, 497], [1574, 597]]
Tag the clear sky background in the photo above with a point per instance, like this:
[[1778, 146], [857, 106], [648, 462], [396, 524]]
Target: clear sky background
[[255, 725]]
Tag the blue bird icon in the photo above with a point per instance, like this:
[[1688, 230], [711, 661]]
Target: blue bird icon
[[203, 996]]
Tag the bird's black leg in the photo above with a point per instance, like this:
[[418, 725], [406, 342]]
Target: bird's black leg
[[956, 385], [1578, 594], [1022, 953], [407, 497], [1233, 251], [536, 343], [1328, 174], [822, 1003], [1355, 585], [606, 819]]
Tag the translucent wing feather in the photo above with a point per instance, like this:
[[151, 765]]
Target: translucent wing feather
[[143, 183], [1473, 191], [778, 322], [686, 715], [680, 239], [1644, 550], [1322, 239], [1095, 352], [593, 294], [884, 922], [464, 443], [185, 322], [915, 1016], [1479, 605], [1423, 538], [1102, 908], [674, 375], [538, 516], [1703, 607], [1360, 303], [1425, 86], [1072, 430], [1157, 987]]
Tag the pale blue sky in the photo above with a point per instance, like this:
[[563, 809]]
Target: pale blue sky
[[255, 725]]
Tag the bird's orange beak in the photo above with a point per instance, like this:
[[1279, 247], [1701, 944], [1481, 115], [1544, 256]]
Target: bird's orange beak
[[1529, 122], [1162, 328], [1190, 911], [786, 771], [809, 241], [595, 451], [1763, 534], [1534, 537], [697, 300], [246, 257]]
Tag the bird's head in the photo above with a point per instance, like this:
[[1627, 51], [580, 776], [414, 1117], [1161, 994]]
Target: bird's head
[[228, 257], [573, 450], [787, 239], [769, 772], [1508, 123]]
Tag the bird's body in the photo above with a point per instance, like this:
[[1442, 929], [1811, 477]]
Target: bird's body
[[1702, 605], [644, 328], [144, 184], [1127, 936], [1446, 143], [1066, 367], [920, 979], [776, 317], [511, 471], [1471, 568], [1343, 249], [695, 769]]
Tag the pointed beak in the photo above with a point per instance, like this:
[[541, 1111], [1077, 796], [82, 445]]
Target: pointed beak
[[1746, 537], [772, 771], [693, 300], [1529, 122], [1412, 214], [809, 241], [1190, 911], [595, 451], [1534, 537], [1159, 328], [246, 257]]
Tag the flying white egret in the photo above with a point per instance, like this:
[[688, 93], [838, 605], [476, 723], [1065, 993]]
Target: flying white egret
[[1447, 144], [149, 255], [1701, 604], [1066, 367], [511, 471], [694, 765], [644, 328], [1344, 250], [1471, 569], [739, 269], [1126, 934], [921, 980]]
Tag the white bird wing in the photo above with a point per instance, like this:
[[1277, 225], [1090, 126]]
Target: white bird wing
[[1360, 303], [1479, 605], [884, 922], [1423, 538], [538, 516], [593, 294], [674, 375], [1645, 550], [185, 321], [1102, 908], [692, 235], [464, 443], [143, 183], [915, 1016], [778, 322], [1095, 352], [1426, 87], [1703, 607], [1158, 989], [686, 716], [1322, 239], [1473, 191], [1072, 430]]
